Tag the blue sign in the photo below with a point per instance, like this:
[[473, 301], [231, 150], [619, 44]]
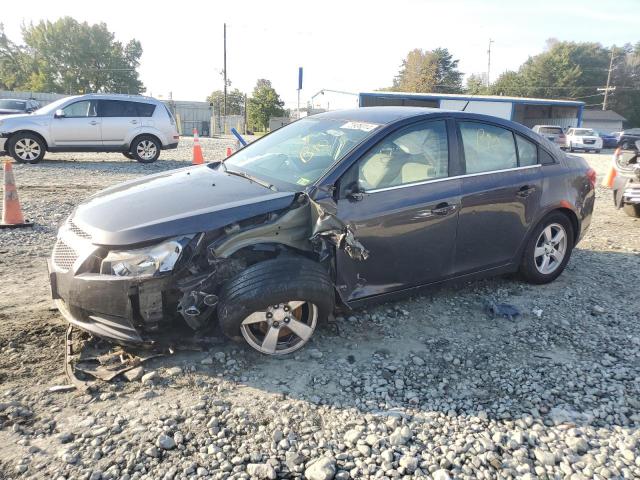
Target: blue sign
[[300, 78]]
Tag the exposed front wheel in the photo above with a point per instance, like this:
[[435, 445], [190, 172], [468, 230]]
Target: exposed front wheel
[[26, 148], [276, 305], [145, 149], [631, 209], [548, 250]]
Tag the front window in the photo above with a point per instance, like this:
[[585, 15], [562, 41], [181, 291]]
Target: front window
[[84, 108], [13, 105], [301, 152]]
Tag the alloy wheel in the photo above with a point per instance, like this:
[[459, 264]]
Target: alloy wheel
[[281, 328], [27, 149], [146, 149], [551, 248]]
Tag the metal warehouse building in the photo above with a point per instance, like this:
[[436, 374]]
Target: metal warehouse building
[[527, 111]]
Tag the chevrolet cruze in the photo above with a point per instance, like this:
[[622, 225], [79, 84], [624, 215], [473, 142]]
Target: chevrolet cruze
[[332, 211]]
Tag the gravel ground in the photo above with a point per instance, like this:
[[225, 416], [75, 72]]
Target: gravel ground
[[430, 386]]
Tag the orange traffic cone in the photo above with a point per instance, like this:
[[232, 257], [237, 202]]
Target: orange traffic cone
[[229, 152], [11, 212], [607, 181], [198, 159]]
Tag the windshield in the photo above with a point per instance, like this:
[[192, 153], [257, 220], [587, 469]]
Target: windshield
[[301, 152], [551, 130], [13, 104], [52, 107], [583, 131]]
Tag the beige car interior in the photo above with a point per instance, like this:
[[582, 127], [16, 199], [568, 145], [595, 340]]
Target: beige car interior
[[412, 157]]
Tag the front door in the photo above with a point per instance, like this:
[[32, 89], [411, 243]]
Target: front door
[[78, 127], [404, 212], [501, 192], [119, 119]]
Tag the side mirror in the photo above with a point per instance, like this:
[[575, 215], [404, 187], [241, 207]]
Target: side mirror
[[59, 113], [354, 192]]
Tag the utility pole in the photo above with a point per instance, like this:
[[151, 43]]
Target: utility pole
[[489, 64], [224, 72], [607, 88]]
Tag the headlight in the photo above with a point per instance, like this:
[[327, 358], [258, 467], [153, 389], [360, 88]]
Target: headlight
[[145, 262]]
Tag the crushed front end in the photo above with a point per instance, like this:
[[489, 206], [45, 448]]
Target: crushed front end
[[128, 294]]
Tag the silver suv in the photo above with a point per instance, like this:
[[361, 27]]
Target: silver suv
[[137, 126]]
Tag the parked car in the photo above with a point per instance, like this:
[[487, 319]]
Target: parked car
[[338, 209], [626, 183], [628, 139], [11, 106], [609, 140], [137, 126], [585, 139], [553, 133]]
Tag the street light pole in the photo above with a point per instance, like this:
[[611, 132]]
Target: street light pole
[[225, 71], [489, 64]]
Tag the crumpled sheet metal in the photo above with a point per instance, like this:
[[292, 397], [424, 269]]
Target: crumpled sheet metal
[[328, 226]]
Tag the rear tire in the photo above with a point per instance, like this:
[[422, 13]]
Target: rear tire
[[597, 151], [571, 149], [631, 209], [552, 242], [276, 294], [129, 155], [26, 148], [145, 149]]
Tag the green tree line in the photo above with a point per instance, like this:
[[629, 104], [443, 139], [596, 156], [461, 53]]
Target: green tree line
[[66, 56]]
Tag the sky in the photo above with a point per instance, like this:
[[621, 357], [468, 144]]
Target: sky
[[343, 45]]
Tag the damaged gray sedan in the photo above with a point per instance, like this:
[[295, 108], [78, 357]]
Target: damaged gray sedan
[[331, 211]]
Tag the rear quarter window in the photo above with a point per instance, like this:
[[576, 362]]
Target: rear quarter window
[[545, 157], [145, 109]]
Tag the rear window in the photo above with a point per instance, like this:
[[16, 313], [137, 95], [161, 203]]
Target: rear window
[[551, 130], [121, 108], [583, 131]]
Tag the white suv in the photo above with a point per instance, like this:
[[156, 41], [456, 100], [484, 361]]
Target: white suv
[[137, 126], [584, 139]]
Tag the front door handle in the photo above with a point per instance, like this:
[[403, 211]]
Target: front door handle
[[134, 121], [525, 191], [443, 209]]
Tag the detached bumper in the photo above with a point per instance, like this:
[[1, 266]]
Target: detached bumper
[[106, 306]]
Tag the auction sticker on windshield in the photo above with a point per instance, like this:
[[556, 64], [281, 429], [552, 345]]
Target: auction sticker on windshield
[[365, 127]]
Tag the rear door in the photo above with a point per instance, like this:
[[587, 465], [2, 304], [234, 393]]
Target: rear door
[[405, 212], [501, 192], [119, 118], [79, 127]]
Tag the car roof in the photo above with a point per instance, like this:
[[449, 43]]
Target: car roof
[[390, 115], [117, 96]]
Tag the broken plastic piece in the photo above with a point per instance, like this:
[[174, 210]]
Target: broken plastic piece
[[505, 310]]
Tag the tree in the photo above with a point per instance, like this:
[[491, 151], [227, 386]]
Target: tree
[[263, 104], [428, 71], [476, 85], [235, 102], [66, 56]]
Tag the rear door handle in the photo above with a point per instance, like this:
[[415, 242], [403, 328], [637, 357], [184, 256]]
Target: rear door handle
[[93, 122], [443, 209], [134, 121], [525, 191]]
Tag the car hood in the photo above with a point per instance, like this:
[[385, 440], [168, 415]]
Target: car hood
[[188, 200]]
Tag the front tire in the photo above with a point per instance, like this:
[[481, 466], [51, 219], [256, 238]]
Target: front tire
[[26, 148], [275, 305], [145, 149], [548, 249], [631, 209]]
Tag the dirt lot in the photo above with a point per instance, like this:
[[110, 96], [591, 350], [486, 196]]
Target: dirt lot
[[428, 387]]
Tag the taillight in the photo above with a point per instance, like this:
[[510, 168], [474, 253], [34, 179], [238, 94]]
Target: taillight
[[591, 175], [561, 136]]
